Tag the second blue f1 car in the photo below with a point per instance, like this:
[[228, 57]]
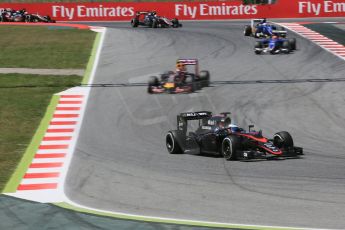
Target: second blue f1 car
[[263, 30], [216, 134]]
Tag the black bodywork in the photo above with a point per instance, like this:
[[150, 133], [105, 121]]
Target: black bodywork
[[151, 19], [214, 135], [40, 18], [10, 15]]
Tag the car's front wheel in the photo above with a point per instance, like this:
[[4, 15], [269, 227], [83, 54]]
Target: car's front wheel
[[258, 47], [229, 148], [287, 47], [283, 140]]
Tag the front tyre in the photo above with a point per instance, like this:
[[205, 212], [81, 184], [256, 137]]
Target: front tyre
[[286, 47], [258, 47], [283, 140], [171, 141], [175, 23], [229, 147]]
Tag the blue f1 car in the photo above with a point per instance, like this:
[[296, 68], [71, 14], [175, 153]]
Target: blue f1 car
[[263, 30], [275, 45]]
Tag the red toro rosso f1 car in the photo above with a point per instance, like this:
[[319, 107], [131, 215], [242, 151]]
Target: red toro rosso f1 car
[[151, 19], [215, 134], [181, 80]]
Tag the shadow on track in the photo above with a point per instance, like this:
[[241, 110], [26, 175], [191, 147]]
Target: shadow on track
[[215, 83]]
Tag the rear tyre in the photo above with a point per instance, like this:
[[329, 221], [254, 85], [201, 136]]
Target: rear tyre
[[204, 76], [172, 144], [247, 31], [292, 42], [153, 82], [134, 22], [230, 145], [283, 140], [154, 23]]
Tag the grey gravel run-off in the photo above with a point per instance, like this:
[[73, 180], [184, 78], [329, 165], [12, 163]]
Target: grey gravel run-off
[[121, 163]]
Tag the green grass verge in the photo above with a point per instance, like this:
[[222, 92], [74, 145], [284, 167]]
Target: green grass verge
[[45, 47], [89, 67], [23, 102]]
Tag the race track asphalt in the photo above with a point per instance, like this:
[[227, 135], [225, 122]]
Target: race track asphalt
[[121, 163]]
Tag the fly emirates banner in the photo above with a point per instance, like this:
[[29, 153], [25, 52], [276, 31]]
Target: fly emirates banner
[[222, 10]]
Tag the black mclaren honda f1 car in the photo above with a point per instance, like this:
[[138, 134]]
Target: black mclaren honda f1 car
[[215, 134]]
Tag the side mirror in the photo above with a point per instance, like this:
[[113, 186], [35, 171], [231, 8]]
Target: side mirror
[[250, 127], [260, 133]]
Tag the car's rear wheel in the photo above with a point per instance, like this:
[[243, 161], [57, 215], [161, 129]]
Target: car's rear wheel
[[229, 148], [204, 76], [172, 144], [154, 23], [134, 22], [292, 42], [153, 81], [247, 31], [283, 140]]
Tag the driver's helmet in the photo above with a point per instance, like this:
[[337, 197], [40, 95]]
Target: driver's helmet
[[274, 37], [154, 13], [180, 67], [234, 128], [224, 123]]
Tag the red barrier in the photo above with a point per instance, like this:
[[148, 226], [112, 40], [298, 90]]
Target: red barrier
[[121, 11]]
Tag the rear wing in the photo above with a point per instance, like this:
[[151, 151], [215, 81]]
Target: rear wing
[[195, 115], [184, 117], [190, 61], [142, 12], [253, 21]]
